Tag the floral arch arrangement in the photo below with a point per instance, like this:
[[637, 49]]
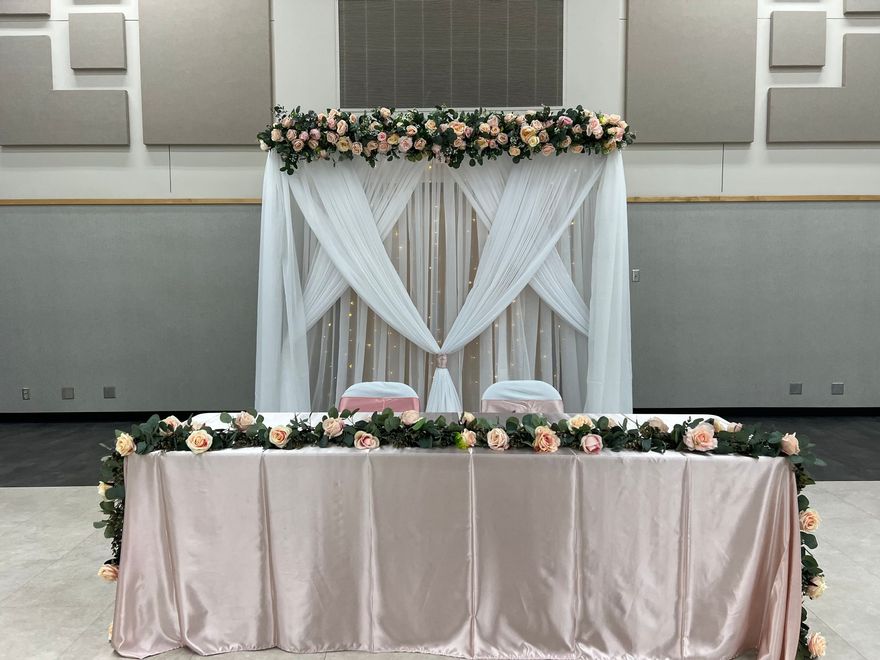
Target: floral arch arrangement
[[443, 134]]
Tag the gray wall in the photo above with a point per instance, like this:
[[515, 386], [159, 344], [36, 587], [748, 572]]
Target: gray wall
[[738, 300], [159, 301], [735, 301]]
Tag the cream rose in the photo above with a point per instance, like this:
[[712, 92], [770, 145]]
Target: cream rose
[[394, 138], [409, 417], [816, 587], [172, 423], [357, 148], [546, 441], [502, 138], [577, 148], [467, 417], [514, 151], [125, 444], [344, 144], [810, 520], [411, 130], [420, 144], [431, 126], [333, 427], [110, 632], [734, 427], [279, 435], [291, 135], [195, 426], [364, 440], [701, 437], [498, 439], [467, 439], [342, 127], [285, 123], [548, 150], [109, 572], [612, 423], [790, 445], [526, 132], [385, 113], [591, 443], [816, 645], [264, 146], [243, 420], [199, 441], [659, 424], [580, 421], [103, 488], [276, 135], [533, 141]]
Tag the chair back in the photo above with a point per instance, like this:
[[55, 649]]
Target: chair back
[[377, 395], [521, 396]]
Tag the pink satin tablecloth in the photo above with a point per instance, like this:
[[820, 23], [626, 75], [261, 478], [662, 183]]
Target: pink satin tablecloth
[[475, 554]]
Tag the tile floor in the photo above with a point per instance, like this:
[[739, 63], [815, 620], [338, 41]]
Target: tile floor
[[52, 604]]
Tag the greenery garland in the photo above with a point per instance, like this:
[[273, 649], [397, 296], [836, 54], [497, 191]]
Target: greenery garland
[[409, 429], [443, 134]]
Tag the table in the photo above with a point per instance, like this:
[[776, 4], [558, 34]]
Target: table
[[469, 553]]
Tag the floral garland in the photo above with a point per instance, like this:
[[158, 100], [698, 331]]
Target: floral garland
[[410, 429], [443, 134]]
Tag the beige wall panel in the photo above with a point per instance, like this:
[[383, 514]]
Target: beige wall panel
[[841, 114], [693, 57], [861, 6], [205, 70], [30, 109], [797, 38], [24, 7], [97, 40]]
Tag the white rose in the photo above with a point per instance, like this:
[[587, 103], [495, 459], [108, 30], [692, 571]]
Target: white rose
[[199, 441], [498, 439], [659, 424], [172, 423], [467, 417], [409, 417], [816, 587], [125, 444], [102, 489]]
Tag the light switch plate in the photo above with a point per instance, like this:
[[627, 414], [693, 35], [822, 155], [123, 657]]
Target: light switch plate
[[837, 388], [109, 391], [795, 388], [66, 393]]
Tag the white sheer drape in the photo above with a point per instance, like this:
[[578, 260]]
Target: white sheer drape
[[417, 270]]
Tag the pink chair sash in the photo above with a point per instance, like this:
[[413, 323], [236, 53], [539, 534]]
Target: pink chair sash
[[519, 406], [377, 404]]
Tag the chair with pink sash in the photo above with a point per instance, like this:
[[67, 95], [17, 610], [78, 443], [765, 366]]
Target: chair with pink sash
[[378, 395], [521, 396]]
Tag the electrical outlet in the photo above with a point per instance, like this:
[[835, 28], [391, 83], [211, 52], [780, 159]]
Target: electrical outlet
[[837, 388], [109, 391], [795, 388], [636, 275], [26, 394], [66, 393]]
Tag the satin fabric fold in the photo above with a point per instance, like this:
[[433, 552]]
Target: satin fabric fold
[[475, 554]]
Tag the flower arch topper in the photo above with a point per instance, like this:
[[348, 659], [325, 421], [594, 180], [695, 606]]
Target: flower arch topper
[[443, 134]]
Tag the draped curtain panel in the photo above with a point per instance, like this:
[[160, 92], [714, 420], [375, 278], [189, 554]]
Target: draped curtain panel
[[512, 271]]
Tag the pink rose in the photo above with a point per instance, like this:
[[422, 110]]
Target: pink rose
[[298, 145], [243, 420], [468, 132], [494, 130], [546, 441], [109, 572], [285, 123], [577, 129], [459, 144], [291, 135], [333, 427], [409, 417], [492, 120], [591, 443], [497, 439], [341, 127], [364, 440], [384, 147], [382, 136], [502, 138], [420, 144], [411, 130], [357, 148], [492, 144], [565, 120], [659, 424], [520, 119], [614, 119], [199, 441], [790, 445], [509, 117], [315, 134], [304, 135], [279, 436], [405, 145], [172, 423], [276, 135], [548, 150], [816, 645], [436, 149], [313, 144], [810, 520], [467, 439], [537, 124], [331, 123], [701, 437], [566, 142], [577, 148], [332, 137], [543, 137], [332, 113]]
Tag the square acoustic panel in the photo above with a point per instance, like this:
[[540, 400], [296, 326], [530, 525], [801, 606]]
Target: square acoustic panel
[[861, 7], [797, 38], [97, 40], [205, 70], [24, 7], [690, 70]]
